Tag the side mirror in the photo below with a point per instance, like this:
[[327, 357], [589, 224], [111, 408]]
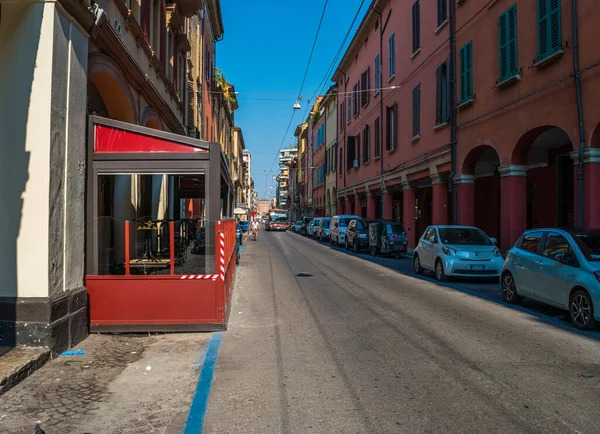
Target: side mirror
[[432, 239], [494, 241]]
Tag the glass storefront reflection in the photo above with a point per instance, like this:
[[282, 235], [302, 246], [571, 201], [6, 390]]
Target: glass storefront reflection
[[154, 205]]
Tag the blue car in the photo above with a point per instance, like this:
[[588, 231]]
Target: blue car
[[557, 267], [245, 225]]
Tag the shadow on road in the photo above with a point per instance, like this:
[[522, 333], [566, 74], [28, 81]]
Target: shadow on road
[[487, 289]]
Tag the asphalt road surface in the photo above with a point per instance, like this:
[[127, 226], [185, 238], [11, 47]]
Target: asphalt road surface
[[325, 342]]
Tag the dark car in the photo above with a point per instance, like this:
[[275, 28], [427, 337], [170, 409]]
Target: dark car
[[357, 235], [387, 237], [305, 222], [321, 232], [245, 225]]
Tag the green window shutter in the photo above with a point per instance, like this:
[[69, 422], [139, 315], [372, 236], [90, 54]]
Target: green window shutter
[[469, 71], [438, 95], [503, 43], [549, 28], [463, 70], [507, 31], [555, 26], [513, 61], [542, 28]]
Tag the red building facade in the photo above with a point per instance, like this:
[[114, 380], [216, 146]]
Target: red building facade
[[393, 108], [524, 133], [317, 146], [519, 134]]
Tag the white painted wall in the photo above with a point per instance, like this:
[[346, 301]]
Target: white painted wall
[[26, 41], [39, 123]]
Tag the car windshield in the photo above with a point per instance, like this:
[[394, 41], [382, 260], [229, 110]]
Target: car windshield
[[279, 218], [361, 226], [326, 222], [343, 222], [589, 243], [395, 228], [464, 236]]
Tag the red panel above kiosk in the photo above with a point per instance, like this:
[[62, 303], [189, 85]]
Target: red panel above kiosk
[[114, 140]]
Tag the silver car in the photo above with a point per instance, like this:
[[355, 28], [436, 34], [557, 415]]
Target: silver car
[[462, 251], [556, 267]]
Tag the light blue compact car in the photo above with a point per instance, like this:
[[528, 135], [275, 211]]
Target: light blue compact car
[[556, 267]]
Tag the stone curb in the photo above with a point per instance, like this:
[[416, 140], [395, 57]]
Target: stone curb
[[23, 370]]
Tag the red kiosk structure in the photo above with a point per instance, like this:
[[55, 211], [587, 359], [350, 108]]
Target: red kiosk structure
[[160, 253]]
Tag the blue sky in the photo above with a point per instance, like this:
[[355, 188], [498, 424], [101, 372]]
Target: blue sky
[[264, 53]]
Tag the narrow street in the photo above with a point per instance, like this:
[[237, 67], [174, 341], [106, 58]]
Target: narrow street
[[324, 342]]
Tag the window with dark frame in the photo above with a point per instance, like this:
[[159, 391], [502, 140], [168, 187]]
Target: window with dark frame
[[355, 99], [466, 72], [349, 107], [350, 152], [341, 163], [342, 113], [507, 35], [416, 106], [377, 74], [442, 11], [365, 84], [392, 56], [549, 28], [366, 144], [357, 150], [442, 106], [377, 138], [391, 140], [416, 24]]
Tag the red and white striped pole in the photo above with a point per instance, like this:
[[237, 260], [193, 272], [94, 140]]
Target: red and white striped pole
[[222, 254]]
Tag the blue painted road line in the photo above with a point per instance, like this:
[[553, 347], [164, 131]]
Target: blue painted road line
[[195, 419]]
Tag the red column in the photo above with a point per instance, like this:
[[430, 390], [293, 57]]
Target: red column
[[591, 192], [370, 206], [348, 202], [340, 205], [357, 205], [408, 214], [465, 185], [440, 201], [513, 193], [387, 206]]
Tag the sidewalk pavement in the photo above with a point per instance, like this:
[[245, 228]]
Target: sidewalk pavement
[[121, 384]]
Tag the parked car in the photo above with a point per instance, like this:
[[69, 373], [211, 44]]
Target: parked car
[[322, 231], [244, 224], [338, 227], [457, 251], [298, 227], [387, 237], [305, 222], [312, 226], [556, 267], [357, 235]]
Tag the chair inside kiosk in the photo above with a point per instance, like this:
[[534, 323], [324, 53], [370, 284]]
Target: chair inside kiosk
[[151, 224]]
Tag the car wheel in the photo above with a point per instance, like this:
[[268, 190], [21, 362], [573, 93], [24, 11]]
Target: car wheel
[[346, 244], [355, 247], [581, 310], [509, 289], [373, 251], [439, 271], [417, 265]]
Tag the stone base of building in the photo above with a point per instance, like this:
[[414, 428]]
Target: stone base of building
[[56, 322]]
